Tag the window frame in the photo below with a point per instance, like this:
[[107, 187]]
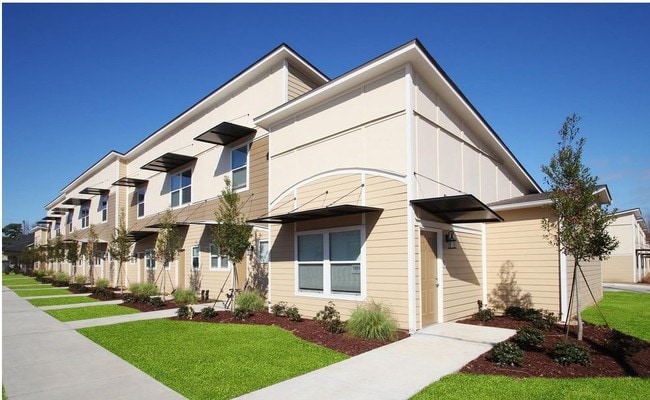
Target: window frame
[[69, 221], [259, 251], [149, 260], [197, 257], [220, 259], [246, 166], [180, 189], [327, 265], [84, 216], [103, 207], [139, 203]]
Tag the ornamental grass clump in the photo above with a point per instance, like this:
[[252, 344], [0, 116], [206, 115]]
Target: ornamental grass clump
[[101, 283], [250, 301], [372, 321], [148, 289], [184, 297], [80, 279]]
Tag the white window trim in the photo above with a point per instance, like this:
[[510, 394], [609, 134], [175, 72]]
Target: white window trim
[[220, 256], [327, 293], [180, 190], [248, 166], [137, 202], [103, 212], [259, 248], [86, 217], [198, 267], [149, 254]]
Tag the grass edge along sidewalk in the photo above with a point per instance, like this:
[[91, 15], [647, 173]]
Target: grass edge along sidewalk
[[91, 312]]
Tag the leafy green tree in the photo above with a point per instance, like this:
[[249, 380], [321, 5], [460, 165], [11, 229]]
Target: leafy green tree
[[231, 234], [579, 226], [72, 253], [12, 230], [168, 242], [92, 253], [120, 247], [58, 251]]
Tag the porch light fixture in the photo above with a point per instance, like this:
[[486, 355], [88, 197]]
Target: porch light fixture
[[451, 240]]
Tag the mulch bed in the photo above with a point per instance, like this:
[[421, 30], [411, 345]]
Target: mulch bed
[[539, 363], [307, 329]]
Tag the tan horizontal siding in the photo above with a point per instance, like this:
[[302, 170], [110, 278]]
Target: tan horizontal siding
[[462, 277], [298, 83]]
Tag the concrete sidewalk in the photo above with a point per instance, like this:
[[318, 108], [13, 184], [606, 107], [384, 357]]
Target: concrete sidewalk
[[627, 287], [43, 358], [393, 372]]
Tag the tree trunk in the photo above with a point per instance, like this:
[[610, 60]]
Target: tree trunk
[[576, 281]]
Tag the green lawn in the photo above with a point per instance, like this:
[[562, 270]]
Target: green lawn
[[624, 311], [212, 361], [489, 387], [75, 314], [39, 292], [21, 285], [13, 279], [56, 301]]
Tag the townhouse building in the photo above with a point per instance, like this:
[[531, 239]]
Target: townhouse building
[[630, 261], [384, 183]]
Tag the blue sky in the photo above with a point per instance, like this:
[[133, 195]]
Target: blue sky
[[80, 80]]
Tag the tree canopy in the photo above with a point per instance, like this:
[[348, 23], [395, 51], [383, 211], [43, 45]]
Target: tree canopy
[[231, 234], [12, 230]]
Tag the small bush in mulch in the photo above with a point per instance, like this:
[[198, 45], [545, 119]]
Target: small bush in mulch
[[208, 312], [242, 313], [529, 337], [279, 309], [506, 353], [185, 312], [485, 314], [330, 318], [156, 302], [293, 314], [102, 293], [60, 279], [565, 353], [77, 288]]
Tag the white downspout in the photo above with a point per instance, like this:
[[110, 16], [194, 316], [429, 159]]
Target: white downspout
[[410, 190], [564, 304], [484, 279]]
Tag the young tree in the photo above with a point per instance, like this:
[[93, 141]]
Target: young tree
[[579, 225], [231, 234], [58, 251], [72, 254], [12, 230], [120, 247], [91, 253], [168, 242]]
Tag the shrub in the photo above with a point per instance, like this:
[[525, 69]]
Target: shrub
[[184, 297], [279, 309], [61, 279], [293, 314], [208, 312], [104, 294], [565, 353], [330, 318], [77, 288], [545, 321], [528, 336], [80, 279], [156, 301], [148, 289], [250, 300], [185, 312], [128, 298], [485, 314], [101, 283], [372, 321], [506, 353], [142, 298], [241, 313]]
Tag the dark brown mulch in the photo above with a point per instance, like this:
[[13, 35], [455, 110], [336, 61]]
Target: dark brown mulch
[[539, 363], [306, 329]]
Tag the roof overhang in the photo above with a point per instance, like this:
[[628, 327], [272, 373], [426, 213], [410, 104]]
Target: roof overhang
[[94, 191], [135, 236], [75, 201], [225, 133], [129, 182], [52, 218], [61, 210], [318, 213], [167, 162], [159, 225], [464, 208]]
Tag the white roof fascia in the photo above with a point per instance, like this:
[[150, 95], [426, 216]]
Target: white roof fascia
[[518, 206], [232, 86], [409, 53], [54, 202], [109, 158]]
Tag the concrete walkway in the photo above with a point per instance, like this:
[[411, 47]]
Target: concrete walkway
[[43, 358], [393, 372], [627, 287], [47, 359]]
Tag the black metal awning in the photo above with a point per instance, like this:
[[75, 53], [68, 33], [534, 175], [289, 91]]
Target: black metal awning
[[94, 191], [74, 201], [135, 236], [224, 133], [129, 182], [52, 218], [326, 212], [160, 225], [61, 210], [167, 162], [464, 208]]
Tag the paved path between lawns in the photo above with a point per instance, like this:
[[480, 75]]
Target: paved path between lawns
[[43, 358], [393, 372], [627, 287]]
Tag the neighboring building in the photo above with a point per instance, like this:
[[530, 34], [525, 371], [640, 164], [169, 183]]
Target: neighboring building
[[373, 185], [630, 262], [12, 251]]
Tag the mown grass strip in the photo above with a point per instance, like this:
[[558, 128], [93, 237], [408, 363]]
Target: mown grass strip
[[57, 301], [624, 311], [212, 361], [39, 292], [29, 286], [76, 314]]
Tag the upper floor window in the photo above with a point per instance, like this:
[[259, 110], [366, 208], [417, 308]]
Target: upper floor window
[[57, 227], [239, 166], [140, 202], [182, 188], [216, 260], [68, 221], [196, 261], [83, 215], [103, 207]]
